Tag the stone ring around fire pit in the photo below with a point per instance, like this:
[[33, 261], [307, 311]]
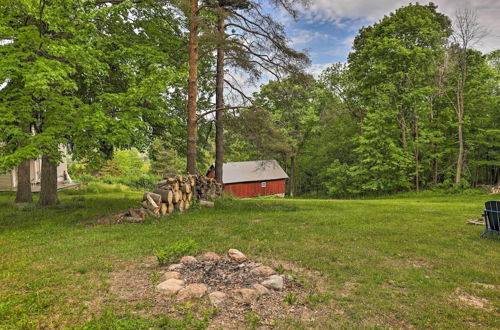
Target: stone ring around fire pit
[[230, 277]]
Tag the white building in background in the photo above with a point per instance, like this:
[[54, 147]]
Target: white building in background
[[8, 181]]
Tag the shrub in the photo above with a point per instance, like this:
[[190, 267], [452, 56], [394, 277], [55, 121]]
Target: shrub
[[99, 187], [86, 178], [136, 182], [176, 250]]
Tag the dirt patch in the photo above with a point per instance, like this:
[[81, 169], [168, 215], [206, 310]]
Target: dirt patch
[[387, 320], [486, 286], [319, 283], [348, 288], [109, 219], [131, 216], [137, 285], [467, 300], [419, 263]]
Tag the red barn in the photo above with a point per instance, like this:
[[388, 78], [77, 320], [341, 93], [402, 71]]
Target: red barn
[[254, 178]]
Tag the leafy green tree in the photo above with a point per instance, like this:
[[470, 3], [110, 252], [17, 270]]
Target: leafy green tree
[[111, 168], [395, 64], [129, 161], [44, 52], [290, 109], [164, 158], [83, 73], [481, 131]]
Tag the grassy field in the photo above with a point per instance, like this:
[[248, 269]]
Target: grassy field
[[395, 262]]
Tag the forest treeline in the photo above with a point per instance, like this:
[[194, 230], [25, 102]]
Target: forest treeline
[[415, 106]]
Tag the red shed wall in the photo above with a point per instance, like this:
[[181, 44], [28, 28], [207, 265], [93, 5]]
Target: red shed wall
[[252, 189]]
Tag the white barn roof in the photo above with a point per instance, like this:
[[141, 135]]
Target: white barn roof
[[259, 170]]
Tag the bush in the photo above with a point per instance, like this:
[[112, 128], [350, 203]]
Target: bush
[[142, 182], [138, 182], [86, 178], [176, 250], [100, 187]]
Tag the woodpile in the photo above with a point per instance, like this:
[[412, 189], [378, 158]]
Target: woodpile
[[495, 189], [178, 192], [207, 188]]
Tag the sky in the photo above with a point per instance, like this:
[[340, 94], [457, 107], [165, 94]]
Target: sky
[[327, 28]]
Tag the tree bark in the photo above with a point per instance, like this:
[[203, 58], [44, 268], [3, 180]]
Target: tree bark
[[402, 125], [219, 103], [23, 193], [417, 160], [48, 192], [292, 177], [192, 87], [460, 118], [435, 165], [435, 160]]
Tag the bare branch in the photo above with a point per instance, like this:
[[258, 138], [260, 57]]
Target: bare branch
[[222, 109], [467, 32]]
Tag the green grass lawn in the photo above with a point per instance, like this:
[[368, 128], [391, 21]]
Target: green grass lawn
[[395, 262]]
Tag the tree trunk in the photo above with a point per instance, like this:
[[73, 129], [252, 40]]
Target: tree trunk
[[292, 177], [460, 109], [435, 165], [23, 194], [402, 125], [48, 192], [417, 161], [460, 118], [219, 103], [460, 159], [192, 87], [434, 121]]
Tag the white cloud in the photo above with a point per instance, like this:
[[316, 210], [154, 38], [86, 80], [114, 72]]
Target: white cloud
[[302, 37], [316, 68], [341, 12]]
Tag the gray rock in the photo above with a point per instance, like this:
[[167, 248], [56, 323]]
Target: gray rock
[[188, 260], [274, 282], [217, 298], [236, 255], [191, 292], [171, 286]]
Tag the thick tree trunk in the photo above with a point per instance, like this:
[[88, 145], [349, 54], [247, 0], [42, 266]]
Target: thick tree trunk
[[219, 104], [48, 192], [23, 194], [192, 87]]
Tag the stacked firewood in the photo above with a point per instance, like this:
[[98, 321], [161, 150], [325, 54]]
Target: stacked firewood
[[207, 188], [495, 189], [177, 193]]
